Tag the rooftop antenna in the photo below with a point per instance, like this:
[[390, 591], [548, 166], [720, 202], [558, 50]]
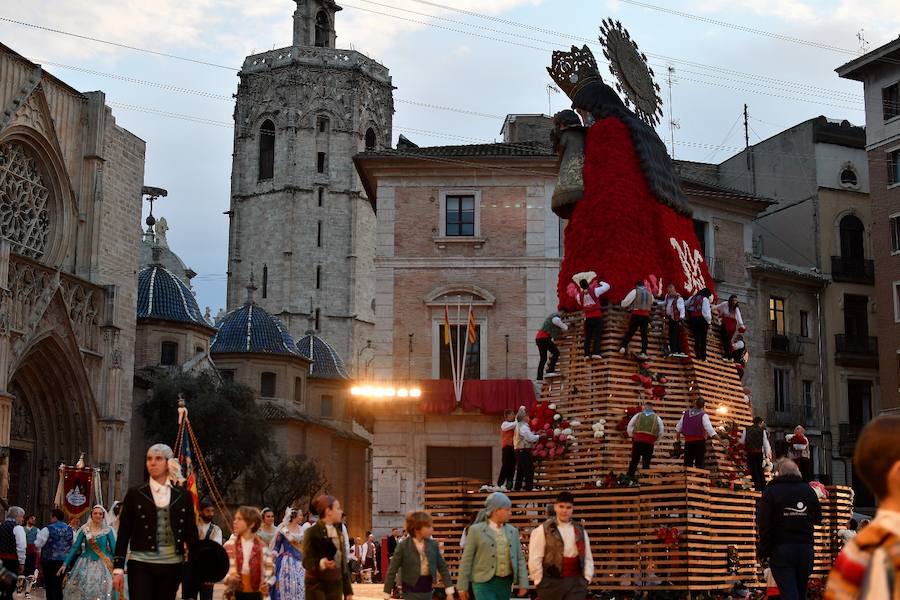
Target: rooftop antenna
[[861, 38], [673, 122], [551, 89]]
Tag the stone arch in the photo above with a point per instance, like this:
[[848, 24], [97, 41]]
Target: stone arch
[[322, 107], [26, 148], [851, 235], [322, 30], [447, 293]]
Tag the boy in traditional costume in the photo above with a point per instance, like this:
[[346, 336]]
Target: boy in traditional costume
[[327, 569], [545, 340], [695, 426], [640, 301], [644, 428], [559, 554]]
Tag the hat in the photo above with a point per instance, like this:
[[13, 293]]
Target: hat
[[496, 501]]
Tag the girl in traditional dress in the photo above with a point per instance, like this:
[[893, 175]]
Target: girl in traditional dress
[[91, 577], [289, 573], [268, 531]]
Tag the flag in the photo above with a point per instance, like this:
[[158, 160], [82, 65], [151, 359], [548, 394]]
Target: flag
[[471, 328], [187, 471], [446, 326]]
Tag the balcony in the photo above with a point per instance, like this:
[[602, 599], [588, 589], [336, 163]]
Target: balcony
[[856, 351], [789, 416], [853, 270], [716, 267], [782, 343]]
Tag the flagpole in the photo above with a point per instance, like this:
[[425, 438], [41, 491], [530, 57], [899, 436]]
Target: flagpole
[[449, 345], [462, 379], [455, 350]]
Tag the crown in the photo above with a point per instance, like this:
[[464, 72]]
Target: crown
[[573, 70]]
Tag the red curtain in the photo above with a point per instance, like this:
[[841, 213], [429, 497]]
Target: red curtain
[[487, 396]]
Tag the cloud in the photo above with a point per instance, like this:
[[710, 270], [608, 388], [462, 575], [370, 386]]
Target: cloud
[[792, 10]]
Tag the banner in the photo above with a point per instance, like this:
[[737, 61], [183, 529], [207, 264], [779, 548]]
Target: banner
[[77, 485], [187, 471]]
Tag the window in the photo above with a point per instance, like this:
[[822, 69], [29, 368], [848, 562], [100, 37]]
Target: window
[[460, 213], [371, 141], [319, 234], [318, 320], [895, 233], [265, 282], [893, 162], [808, 399], [890, 101], [266, 150], [849, 178], [168, 354], [320, 162], [326, 406], [322, 124], [227, 375], [897, 301], [465, 462], [852, 233], [319, 277], [804, 323], [473, 356], [782, 390], [298, 390], [700, 228], [856, 317], [776, 315], [267, 384], [321, 196], [322, 27]]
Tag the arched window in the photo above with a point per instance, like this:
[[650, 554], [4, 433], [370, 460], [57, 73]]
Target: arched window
[[322, 124], [265, 281], [849, 178], [168, 354], [267, 382], [266, 150], [371, 141], [852, 231], [322, 29]]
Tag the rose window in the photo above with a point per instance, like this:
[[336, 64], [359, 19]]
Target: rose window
[[24, 196]]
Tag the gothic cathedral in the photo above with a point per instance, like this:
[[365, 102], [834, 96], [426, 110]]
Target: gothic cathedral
[[301, 225]]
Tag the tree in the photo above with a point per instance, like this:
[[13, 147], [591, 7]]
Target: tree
[[230, 428], [277, 481]]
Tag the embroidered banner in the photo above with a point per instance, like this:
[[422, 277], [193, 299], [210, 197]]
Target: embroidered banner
[[77, 486]]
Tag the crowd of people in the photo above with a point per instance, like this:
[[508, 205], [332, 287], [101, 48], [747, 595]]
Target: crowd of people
[[695, 313]]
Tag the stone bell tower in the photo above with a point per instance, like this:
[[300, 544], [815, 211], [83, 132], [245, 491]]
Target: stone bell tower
[[299, 216]]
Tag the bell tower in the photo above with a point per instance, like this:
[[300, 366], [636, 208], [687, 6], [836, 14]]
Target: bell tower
[[300, 219], [314, 23]]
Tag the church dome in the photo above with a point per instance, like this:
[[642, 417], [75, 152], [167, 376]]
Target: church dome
[[163, 295], [251, 329], [326, 362]]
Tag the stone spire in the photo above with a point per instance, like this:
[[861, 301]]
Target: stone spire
[[314, 23]]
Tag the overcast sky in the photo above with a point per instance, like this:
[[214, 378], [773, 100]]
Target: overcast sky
[[488, 59]]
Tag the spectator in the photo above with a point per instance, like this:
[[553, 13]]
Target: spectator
[[868, 568], [788, 511], [848, 533], [369, 556], [392, 541], [798, 451]]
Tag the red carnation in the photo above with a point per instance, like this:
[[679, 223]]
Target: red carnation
[[636, 377]]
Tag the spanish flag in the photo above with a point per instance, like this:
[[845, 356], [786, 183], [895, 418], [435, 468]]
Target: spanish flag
[[446, 326], [471, 328]]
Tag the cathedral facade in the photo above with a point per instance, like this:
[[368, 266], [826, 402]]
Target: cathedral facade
[[70, 207], [299, 219]]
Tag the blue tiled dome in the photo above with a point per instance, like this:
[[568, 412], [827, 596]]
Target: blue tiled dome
[[162, 295], [251, 329], [326, 362]]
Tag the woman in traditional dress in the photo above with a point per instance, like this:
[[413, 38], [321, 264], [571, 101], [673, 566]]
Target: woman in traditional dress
[[267, 530], [289, 572], [91, 577]]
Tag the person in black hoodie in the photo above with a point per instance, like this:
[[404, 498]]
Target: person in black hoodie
[[786, 517]]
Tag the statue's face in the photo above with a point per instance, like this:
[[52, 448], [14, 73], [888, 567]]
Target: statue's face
[[586, 117]]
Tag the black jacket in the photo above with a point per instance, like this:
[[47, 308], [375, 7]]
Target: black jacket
[[316, 546], [137, 522], [787, 514]]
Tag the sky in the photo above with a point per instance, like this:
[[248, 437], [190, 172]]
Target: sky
[[489, 58]]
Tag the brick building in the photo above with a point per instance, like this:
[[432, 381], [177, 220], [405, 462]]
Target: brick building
[[70, 196], [879, 71]]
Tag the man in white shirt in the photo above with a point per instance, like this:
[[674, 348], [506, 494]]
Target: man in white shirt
[[699, 311], [12, 540], [559, 555]]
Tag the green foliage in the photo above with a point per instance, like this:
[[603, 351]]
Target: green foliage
[[278, 482], [230, 428]]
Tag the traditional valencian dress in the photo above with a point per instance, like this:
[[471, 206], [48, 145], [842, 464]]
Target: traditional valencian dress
[[289, 572], [91, 578]]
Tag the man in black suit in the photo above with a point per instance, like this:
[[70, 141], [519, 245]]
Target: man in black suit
[[157, 522], [327, 571]]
